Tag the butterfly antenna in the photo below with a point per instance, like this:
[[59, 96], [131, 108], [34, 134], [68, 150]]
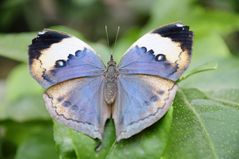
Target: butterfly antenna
[[116, 37], [107, 37]]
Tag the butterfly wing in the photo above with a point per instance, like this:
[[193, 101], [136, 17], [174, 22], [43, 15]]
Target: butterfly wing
[[148, 71], [164, 52], [73, 74], [79, 104], [55, 57], [141, 101]]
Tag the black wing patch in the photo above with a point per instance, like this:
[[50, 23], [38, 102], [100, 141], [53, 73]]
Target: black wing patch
[[43, 41], [178, 33]]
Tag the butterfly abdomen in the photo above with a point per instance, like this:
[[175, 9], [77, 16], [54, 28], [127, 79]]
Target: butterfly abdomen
[[110, 87], [110, 90]]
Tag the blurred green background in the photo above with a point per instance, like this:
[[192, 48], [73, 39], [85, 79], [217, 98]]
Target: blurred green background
[[204, 121]]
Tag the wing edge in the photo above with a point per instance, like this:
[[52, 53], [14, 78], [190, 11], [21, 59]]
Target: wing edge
[[82, 127], [149, 120]]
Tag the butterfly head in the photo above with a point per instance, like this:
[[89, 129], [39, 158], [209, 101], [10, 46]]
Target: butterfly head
[[112, 61]]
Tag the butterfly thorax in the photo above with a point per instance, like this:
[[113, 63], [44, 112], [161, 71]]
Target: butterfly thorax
[[110, 87]]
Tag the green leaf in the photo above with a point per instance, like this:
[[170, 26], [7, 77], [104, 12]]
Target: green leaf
[[20, 83], [151, 142], [227, 96], [225, 77], [204, 127], [15, 135], [37, 146], [15, 46], [24, 130], [213, 21], [164, 12], [23, 98], [203, 21], [25, 109], [200, 69], [64, 143], [204, 51]]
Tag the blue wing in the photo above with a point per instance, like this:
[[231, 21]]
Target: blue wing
[[148, 71], [55, 57], [165, 52], [73, 74], [141, 101], [79, 104]]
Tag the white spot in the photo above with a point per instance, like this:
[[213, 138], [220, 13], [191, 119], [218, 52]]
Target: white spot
[[60, 63], [41, 32], [160, 57], [159, 45], [179, 25], [61, 51]]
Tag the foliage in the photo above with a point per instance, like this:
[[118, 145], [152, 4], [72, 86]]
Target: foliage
[[201, 124]]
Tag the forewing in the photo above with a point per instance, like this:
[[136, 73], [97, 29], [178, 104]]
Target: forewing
[[55, 57], [79, 104], [141, 101], [164, 52]]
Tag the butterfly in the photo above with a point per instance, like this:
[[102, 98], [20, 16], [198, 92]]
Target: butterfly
[[82, 93]]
